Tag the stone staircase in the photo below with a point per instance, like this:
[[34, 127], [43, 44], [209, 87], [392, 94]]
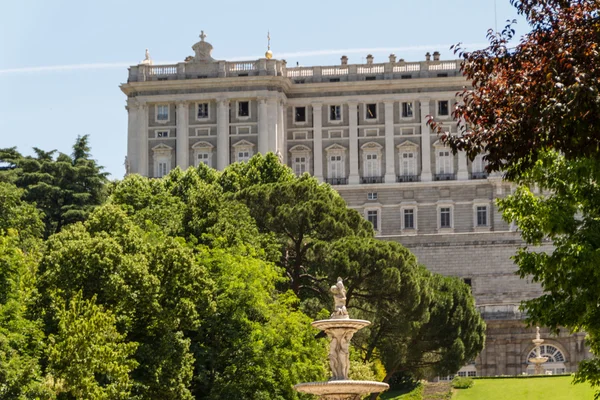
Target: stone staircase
[[437, 391]]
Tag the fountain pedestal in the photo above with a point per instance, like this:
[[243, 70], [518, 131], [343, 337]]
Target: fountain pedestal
[[538, 360], [340, 329]]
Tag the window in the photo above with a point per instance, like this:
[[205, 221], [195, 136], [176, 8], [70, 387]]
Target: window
[[162, 134], [162, 155], [334, 79], [242, 151], [371, 111], [445, 217], [468, 282], [371, 165], [370, 78], [407, 110], [444, 161], [372, 196], [471, 373], [300, 159], [408, 219], [300, 114], [482, 216], [408, 163], [478, 167], [443, 108], [162, 112], [202, 153], [371, 160], [336, 166], [202, 111], [243, 109], [373, 217], [335, 113]]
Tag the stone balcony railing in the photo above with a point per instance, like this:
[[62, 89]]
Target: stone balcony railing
[[264, 67]]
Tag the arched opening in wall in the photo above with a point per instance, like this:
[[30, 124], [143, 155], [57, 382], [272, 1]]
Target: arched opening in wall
[[556, 360]]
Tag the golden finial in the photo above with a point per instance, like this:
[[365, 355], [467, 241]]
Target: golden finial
[[269, 53]]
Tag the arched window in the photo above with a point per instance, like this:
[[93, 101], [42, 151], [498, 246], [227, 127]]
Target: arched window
[[203, 153], [300, 159], [407, 156], [556, 360], [243, 151], [336, 164], [371, 153]]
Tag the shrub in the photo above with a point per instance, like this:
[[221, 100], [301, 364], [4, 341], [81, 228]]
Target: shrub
[[462, 383]]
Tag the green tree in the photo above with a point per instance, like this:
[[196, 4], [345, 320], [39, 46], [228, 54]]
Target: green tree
[[88, 358], [65, 189], [533, 109]]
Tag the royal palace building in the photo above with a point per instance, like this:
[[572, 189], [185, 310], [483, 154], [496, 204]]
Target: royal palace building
[[362, 129]]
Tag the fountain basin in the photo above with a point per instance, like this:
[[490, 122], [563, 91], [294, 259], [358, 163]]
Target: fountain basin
[[348, 388], [352, 325]]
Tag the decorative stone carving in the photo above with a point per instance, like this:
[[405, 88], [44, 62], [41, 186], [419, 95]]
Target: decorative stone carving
[[339, 299], [203, 50], [147, 60], [339, 354]]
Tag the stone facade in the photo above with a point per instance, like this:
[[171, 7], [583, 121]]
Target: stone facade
[[361, 128]]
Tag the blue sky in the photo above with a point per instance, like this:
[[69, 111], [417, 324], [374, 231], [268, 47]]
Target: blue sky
[[61, 61]]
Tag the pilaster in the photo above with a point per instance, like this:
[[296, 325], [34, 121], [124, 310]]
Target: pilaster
[[318, 140], [133, 148], [263, 124], [463, 173], [425, 141], [222, 134], [143, 139], [182, 143], [354, 177], [280, 149], [390, 160], [272, 106]]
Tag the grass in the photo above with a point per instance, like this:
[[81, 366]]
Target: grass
[[416, 394], [554, 388]]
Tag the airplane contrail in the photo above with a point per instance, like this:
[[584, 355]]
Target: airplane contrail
[[296, 54]]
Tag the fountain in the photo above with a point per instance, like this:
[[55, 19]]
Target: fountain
[[538, 360], [340, 328]]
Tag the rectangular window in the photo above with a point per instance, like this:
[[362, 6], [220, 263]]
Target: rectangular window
[[335, 113], [300, 165], [462, 374], [445, 217], [243, 109], [408, 163], [468, 282], [409, 219], [444, 162], [372, 196], [202, 111], [407, 110], [300, 114], [202, 158], [370, 78], [163, 169], [336, 167], [162, 134], [443, 108], [371, 165], [162, 112], [478, 164], [482, 219], [372, 218], [371, 111], [243, 155], [472, 373]]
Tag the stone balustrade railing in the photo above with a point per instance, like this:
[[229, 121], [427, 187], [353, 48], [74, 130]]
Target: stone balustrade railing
[[264, 67]]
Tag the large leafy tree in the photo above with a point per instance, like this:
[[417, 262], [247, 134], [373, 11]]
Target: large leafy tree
[[64, 188], [534, 109]]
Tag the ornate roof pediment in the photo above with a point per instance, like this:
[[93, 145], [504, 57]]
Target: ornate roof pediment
[[299, 148], [371, 146], [162, 148], [438, 143], [202, 145], [242, 143], [335, 147], [407, 144]]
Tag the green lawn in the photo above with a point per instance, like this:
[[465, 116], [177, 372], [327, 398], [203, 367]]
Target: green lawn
[[547, 388]]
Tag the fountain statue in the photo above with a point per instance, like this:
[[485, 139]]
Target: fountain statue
[[538, 360], [340, 328]]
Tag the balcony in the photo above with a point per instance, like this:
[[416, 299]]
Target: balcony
[[408, 178], [479, 175], [371, 179], [337, 181], [445, 177]]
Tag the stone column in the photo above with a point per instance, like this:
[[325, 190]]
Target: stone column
[[281, 131], [143, 139], [133, 147], [263, 123], [425, 142], [318, 140], [222, 134], [463, 173], [390, 160], [182, 150], [272, 106], [353, 147]]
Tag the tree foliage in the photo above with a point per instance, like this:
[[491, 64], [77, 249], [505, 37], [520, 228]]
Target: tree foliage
[[534, 110], [64, 188]]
